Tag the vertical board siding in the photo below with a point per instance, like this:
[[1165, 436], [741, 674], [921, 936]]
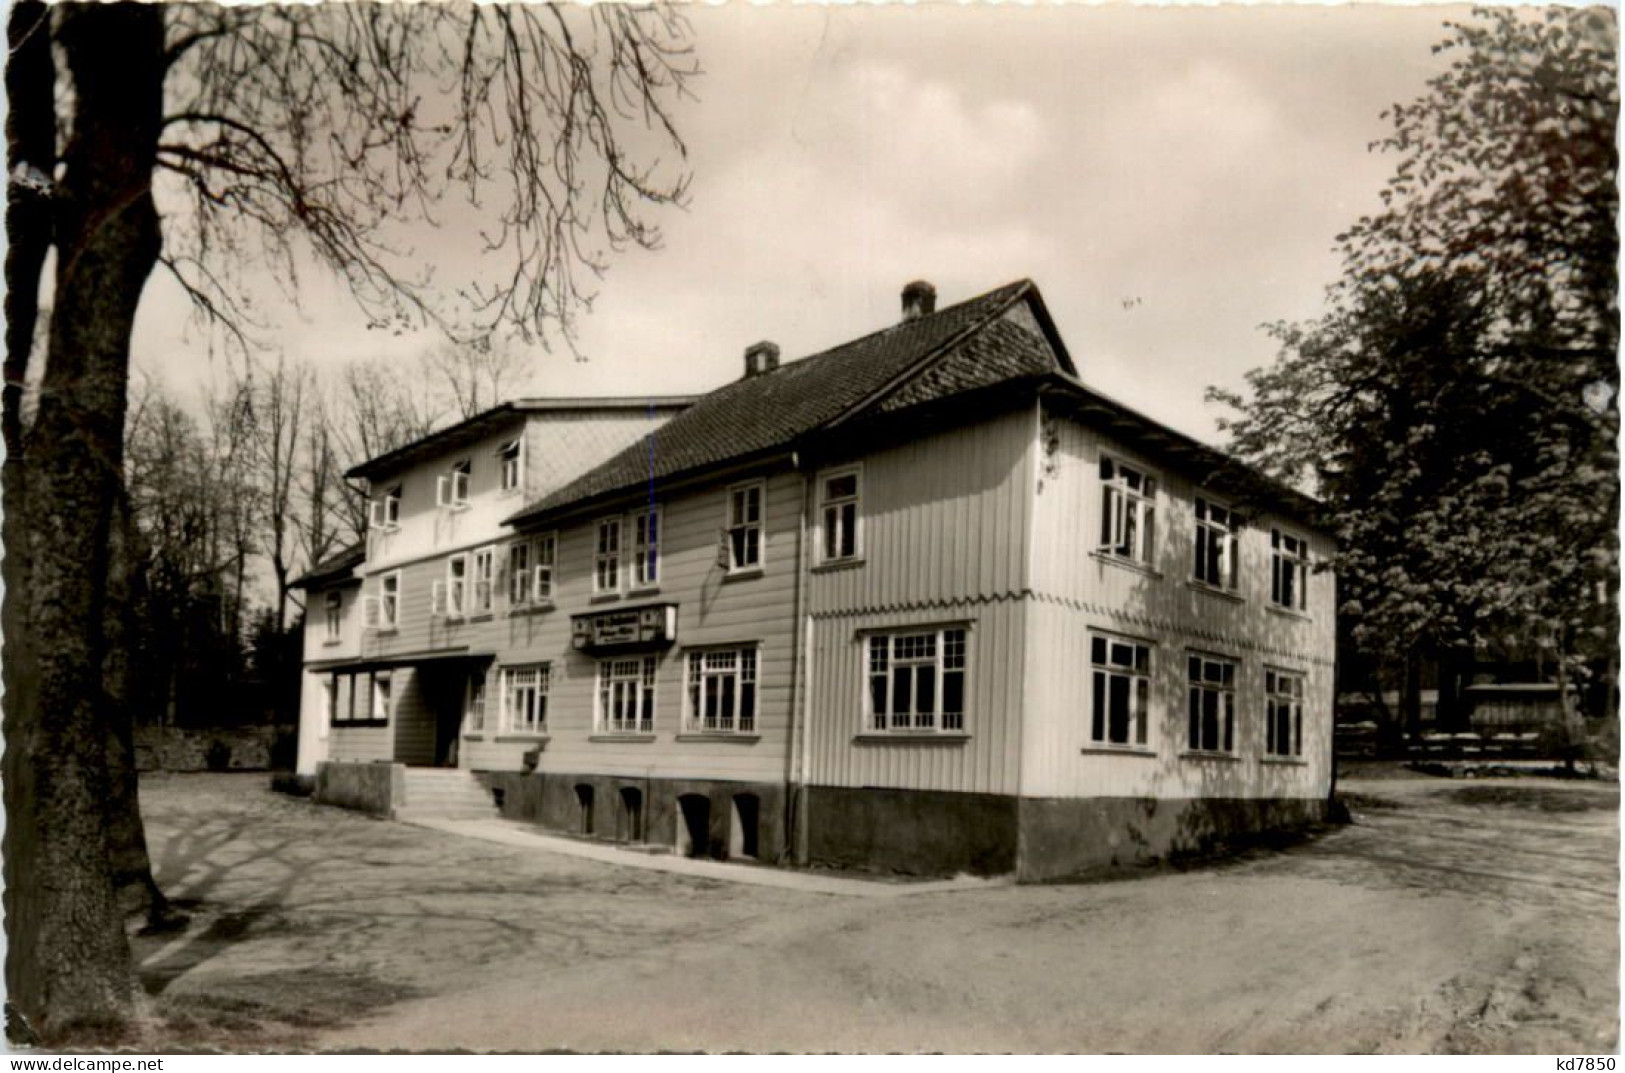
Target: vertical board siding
[[1076, 590], [944, 540], [413, 719], [711, 612]]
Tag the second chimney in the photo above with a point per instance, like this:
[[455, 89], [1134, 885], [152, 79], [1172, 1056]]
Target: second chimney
[[919, 300], [761, 358]]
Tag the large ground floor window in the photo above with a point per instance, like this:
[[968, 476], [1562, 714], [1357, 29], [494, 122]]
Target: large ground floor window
[[359, 698], [1212, 709], [917, 680], [626, 695], [721, 691], [524, 698], [1283, 713], [1121, 679]]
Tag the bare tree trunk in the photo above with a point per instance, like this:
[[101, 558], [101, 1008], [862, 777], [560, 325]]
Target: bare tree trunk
[[74, 973], [1411, 699]]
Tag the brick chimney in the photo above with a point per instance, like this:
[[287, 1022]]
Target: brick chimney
[[761, 358], [919, 300]]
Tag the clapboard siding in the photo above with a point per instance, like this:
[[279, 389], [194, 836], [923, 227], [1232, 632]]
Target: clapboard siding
[[362, 743], [1076, 589], [711, 612], [945, 518], [987, 761]]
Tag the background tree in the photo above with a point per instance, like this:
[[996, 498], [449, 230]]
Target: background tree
[[1457, 404], [274, 133]]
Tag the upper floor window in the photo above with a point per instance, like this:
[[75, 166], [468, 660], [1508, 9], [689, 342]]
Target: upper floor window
[[386, 509], [626, 695], [840, 513], [512, 458], [454, 595], [606, 572], [1212, 710], [333, 615], [485, 560], [646, 548], [389, 600], [745, 526], [1289, 571], [451, 489], [1283, 713], [1121, 672], [1217, 529], [1128, 524], [722, 691], [917, 681], [524, 698], [530, 570]]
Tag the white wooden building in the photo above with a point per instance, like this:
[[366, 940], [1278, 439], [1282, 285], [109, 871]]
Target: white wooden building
[[922, 602]]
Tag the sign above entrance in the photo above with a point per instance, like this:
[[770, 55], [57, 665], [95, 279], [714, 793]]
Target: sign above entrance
[[625, 629]]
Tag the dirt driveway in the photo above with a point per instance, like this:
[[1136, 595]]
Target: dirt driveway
[[1453, 916]]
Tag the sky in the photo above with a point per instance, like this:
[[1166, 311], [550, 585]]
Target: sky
[[1172, 178]]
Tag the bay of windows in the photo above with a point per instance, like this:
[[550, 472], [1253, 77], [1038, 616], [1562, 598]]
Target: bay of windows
[[917, 681]]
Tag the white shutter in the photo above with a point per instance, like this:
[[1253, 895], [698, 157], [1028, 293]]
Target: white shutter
[[442, 491], [541, 586], [437, 596], [375, 513], [370, 612], [459, 488]]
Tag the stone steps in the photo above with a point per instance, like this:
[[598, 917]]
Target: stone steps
[[447, 794]]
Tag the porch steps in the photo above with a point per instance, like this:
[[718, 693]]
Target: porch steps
[[445, 794]]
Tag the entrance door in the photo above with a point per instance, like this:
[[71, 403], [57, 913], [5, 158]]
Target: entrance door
[[446, 692]]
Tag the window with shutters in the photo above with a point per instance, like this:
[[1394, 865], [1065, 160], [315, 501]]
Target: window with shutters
[[1120, 671], [917, 681], [721, 696]]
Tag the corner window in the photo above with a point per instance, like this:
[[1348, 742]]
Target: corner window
[[840, 514], [744, 530], [333, 615], [511, 460], [1128, 523], [1121, 695], [646, 548], [485, 561], [1289, 571], [721, 691], [1283, 713], [524, 698], [606, 573], [1217, 529], [626, 696], [1212, 711], [917, 681]]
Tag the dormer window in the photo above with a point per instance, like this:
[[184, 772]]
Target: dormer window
[[511, 457], [386, 510], [451, 489]]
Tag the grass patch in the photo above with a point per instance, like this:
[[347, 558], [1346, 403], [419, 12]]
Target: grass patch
[[1536, 798]]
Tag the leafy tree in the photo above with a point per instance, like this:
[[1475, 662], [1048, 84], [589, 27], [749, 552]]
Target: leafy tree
[[199, 139], [1457, 403]]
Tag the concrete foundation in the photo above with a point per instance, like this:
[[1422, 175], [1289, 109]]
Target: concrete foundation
[[914, 832], [697, 817], [375, 787]]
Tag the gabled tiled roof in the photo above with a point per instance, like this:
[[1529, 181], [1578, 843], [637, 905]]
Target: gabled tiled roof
[[335, 567], [760, 413]]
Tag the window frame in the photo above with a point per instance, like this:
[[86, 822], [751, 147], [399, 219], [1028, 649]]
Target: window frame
[[612, 557], [540, 688], [1138, 723], [1285, 564], [1198, 688], [1273, 696], [882, 675], [1115, 500], [745, 527], [644, 695], [474, 701], [354, 712], [647, 533], [457, 586], [333, 616], [511, 464], [744, 692], [452, 487], [826, 505], [487, 556], [389, 603], [1228, 532]]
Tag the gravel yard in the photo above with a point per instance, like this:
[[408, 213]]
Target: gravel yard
[[1453, 916]]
